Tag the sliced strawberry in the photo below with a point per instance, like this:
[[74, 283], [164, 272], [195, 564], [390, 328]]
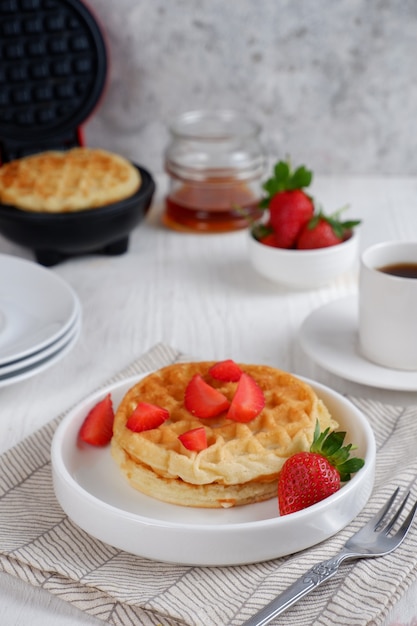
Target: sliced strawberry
[[248, 400], [194, 439], [97, 428], [203, 400], [228, 371], [146, 417]]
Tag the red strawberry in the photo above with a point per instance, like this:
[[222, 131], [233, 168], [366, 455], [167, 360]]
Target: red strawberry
[[306, 478], [324, 231], [292, 222], [264, 233], [248, 400], [97, 428], [270, 240], [146, 416], [203, 400], [289, 206], [289, 213], [227, 371], [194, 439], [309, 477]]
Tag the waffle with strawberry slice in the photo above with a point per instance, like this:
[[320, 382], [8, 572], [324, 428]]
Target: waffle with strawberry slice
[[225, 434]]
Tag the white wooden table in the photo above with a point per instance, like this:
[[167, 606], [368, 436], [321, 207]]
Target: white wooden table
[[197, 293]]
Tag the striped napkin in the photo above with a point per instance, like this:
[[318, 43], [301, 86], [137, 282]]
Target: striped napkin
[[40, 545]]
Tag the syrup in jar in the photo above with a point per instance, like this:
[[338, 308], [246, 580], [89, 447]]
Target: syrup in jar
[[215, 165]]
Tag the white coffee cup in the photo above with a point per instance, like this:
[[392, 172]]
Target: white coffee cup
[[388, 305]]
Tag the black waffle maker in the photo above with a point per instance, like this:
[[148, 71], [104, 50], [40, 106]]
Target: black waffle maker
[[53, 66]]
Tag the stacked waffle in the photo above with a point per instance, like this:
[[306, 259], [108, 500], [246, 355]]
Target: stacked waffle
[[242, 459]]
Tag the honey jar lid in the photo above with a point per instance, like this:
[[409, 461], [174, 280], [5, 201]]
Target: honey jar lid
[[216, 144]]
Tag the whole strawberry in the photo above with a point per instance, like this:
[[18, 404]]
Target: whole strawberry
[[290, 208], [323, 231], [309, 477], [289, 212]]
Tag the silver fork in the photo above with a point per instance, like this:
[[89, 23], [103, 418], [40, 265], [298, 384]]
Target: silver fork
[[371, 540]]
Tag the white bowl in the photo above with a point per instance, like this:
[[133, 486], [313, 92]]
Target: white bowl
[[303, 269], [94, 494]]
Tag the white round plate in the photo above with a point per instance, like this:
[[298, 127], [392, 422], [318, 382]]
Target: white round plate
[[64, 347], [36, 306], [96, 496], [35, 358], [329, 336]]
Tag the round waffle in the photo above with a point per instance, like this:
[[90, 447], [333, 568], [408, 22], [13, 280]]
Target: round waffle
[[242, 461], [72, 180]]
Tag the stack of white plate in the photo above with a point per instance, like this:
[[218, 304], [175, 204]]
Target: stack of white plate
[[40, 319]]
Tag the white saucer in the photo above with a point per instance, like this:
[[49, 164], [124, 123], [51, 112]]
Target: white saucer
[[329, 336], [37, 307], [96, 496]]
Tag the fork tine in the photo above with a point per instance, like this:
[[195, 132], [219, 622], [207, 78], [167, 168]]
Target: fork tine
[[406, 523], [378, 518], [397, 514]]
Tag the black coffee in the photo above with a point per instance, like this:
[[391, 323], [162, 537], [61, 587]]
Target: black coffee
[[405, 270]]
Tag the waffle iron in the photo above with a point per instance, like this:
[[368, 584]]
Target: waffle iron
[[53, 67]]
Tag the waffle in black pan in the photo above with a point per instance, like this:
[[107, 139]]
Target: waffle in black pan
[[53, 66]]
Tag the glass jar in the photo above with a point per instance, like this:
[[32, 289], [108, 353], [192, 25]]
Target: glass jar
[[215, 164]]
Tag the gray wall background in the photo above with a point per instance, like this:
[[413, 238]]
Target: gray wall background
[[332, 82]]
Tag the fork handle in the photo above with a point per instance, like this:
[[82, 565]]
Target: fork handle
[[315, 576]]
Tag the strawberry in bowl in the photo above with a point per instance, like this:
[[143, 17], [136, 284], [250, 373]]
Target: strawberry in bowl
[[290, 207], [295, 244]]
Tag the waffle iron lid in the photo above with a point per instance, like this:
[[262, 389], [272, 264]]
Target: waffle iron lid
[[53, 67]]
